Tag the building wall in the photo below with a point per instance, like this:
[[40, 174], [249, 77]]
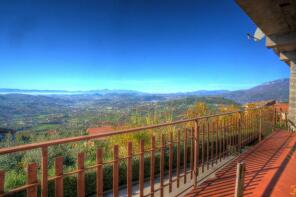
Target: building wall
[[292, 95]]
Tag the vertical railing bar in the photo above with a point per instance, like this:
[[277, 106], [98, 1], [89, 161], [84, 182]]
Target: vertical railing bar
[[273, 118], [141, 173], [208, 144], [224, 137], [255, 131], [171, 154], [286, 120], [80, 175], [220, 134], [192, 153], [276, 117], [162, 146], [255, 126], [226, 125], [281, 121], [229, 134], [203, 148], [44, 173], [244, 126], [236, 130], [240, 129], [245, 136], [178, 158], [59, 182], [250, 127], [2, 182], [152, 164], [212, 143], [185, 155], [217, 138], [196, 152], [245, 129], [99, 177], [129, 177], [115, 171], [233, 131]]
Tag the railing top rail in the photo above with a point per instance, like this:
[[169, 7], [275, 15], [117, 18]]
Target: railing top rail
[[25, 147]]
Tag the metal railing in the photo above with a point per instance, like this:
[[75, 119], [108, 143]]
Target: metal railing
[[184, 153]]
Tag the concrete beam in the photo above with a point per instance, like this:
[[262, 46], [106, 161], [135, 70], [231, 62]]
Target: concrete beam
[[288, 56], [285, 42]]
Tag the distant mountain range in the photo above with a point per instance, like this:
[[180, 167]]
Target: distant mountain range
[[39, 92], [278, 90]]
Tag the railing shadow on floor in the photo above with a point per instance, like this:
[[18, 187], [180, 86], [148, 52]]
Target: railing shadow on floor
[[224, 182]]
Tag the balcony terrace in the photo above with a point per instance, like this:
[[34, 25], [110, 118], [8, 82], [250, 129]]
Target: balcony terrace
[[192, 157], [179, 156]]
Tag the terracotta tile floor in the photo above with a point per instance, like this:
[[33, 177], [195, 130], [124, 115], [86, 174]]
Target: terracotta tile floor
[[270, 170]]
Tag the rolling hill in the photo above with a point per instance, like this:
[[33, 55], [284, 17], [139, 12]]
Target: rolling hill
[[275, 90]]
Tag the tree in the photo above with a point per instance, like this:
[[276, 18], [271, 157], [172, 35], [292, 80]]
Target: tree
[[198, 109]]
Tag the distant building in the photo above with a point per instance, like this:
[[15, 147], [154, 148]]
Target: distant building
[[282, 108], [259, 104], [52, 132], [99, 130]]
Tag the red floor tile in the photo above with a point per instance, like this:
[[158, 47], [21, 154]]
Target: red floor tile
[[270, 170]]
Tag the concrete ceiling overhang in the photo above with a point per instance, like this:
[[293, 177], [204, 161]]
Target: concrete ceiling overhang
[[277, 19]]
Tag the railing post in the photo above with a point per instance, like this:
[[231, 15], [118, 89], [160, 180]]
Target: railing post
[[115, 171], [260, 125], [99, 178], [196, 152], [59, 185], [239, 182], [80, 175], [129, 170], [44, 175], [141, 172], [32, 179], [152, 166]]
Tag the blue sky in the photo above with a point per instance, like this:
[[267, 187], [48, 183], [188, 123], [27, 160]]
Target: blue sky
[[145, 45]]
